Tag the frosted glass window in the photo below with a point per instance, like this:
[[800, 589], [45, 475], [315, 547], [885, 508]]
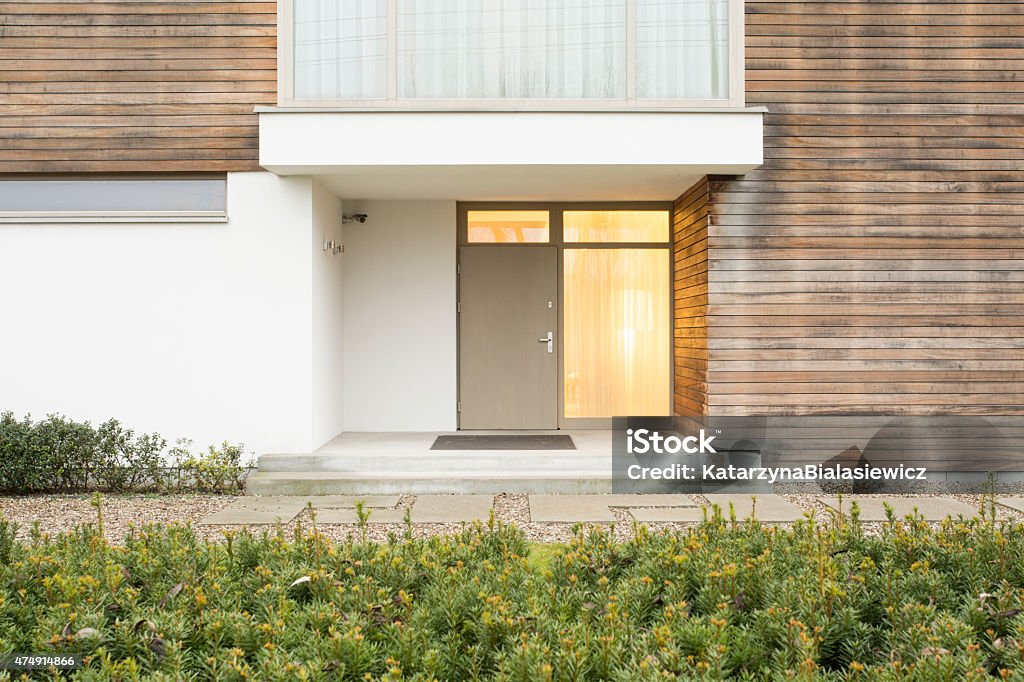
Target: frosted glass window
[[341, 49], [682, 49], [154, 195], [570, 49], [615, 226], [507, 227], [509, 49], [617, 332]]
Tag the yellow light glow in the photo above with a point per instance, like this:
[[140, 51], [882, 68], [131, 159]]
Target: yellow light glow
[[615, 226], [617, 332], [508, 227]]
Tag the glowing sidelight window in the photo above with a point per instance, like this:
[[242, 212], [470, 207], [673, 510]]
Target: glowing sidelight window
[[615, 226], [617, 334], [508, 227]]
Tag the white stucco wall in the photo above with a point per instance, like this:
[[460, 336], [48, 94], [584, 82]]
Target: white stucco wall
[[399, 294], [328, 319], [192, 330]]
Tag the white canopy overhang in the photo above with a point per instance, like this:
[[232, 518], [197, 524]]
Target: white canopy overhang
[[510, 155]]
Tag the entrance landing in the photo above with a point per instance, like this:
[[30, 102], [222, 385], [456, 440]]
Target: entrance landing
[[404, 463]]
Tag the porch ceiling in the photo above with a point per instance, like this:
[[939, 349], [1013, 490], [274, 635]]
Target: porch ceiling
[[517, 156]]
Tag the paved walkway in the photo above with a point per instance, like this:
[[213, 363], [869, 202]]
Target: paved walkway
[[281, 509], [772, 508], [561, 509], [597, 508], [931, 508], [1015, 503]]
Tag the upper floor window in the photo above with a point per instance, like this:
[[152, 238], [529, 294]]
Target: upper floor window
[[417, 52]]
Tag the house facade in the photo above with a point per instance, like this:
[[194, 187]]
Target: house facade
[[277, 222]]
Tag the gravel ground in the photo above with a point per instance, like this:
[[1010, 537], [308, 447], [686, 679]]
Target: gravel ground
[[56, 513]]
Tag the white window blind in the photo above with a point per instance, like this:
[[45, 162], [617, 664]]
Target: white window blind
[[341, 49], [510, 49], [682, 49], [523, 49]]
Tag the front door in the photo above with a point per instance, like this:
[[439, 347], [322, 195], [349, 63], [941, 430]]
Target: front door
[[508, 364]]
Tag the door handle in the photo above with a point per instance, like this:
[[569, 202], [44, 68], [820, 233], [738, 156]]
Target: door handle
[[550, 340]]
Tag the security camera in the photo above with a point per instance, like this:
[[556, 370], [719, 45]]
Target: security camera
[[355, 218]]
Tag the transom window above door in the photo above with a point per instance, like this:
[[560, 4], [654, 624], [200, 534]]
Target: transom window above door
[[507, 227], [465, 53], [570, 226], [615, 226]]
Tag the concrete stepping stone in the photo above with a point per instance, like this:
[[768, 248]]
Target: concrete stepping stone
[[452, 508], [256, 511], [1015, 503], [595, 508], [348, 515], [769, 508], [668, 514], [345, 501], [931, 508], [251, 510], [426, 509]]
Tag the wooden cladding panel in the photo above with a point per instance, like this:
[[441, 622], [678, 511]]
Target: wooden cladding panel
[[134, 86], [690, 277], [875, 262]]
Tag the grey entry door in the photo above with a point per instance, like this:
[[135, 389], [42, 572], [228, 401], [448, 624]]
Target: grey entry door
[[508, 367]]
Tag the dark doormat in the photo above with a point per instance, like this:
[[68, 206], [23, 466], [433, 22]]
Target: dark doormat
[[503, 442]]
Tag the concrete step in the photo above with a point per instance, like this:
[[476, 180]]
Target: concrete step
[[395, 481], [438, 462]]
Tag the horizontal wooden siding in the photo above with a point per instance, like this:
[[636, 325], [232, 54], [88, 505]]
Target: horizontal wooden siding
[[134, 86], [690, 276], [875, 263]]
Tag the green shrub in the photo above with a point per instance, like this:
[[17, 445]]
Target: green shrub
[[18, 468], [58, 454], [69, 450], [130, 462], [219, 469], [723, 600]]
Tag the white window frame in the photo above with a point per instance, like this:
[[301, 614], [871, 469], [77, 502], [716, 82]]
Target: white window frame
[[286, 82]]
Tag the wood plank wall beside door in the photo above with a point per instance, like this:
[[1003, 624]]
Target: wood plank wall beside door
[[690, 277], [875, 262], [122, 86]]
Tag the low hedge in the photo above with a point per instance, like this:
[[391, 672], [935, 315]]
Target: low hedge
[[723, 600], [59, 454]]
